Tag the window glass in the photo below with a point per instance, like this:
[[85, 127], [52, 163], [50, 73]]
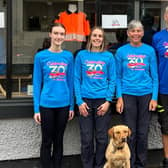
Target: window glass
[[31, 21], [116, 35], [2, 49], [150, 17], [118, 7], [24, 47]]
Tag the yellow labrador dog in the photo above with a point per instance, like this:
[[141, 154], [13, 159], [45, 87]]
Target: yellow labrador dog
[[117, 152]]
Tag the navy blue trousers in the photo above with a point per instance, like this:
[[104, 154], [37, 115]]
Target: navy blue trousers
[[93, 128], [53, 124], [137, 116]]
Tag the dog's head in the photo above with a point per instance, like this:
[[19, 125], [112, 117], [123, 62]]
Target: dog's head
[[119, 133]]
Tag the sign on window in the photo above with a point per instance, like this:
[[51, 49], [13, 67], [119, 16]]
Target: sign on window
[[2, 20], [114, 21]]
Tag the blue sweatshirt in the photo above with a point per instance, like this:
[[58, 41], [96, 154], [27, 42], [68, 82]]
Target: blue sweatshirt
[[136, 71], [160, 43], [53, 80], [95, 75]]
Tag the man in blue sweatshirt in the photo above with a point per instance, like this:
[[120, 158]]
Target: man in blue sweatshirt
[[160, 43]]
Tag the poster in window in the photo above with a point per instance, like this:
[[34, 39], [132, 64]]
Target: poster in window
[[114, 21], [2, 20]]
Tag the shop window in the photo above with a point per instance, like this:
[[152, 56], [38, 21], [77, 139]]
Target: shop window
[[114, 18], [2, 50], [151, 19], [32, 19]]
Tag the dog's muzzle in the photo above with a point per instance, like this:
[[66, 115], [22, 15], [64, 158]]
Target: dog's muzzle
[[124, 140]]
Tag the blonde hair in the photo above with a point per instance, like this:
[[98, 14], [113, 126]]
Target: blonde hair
[[166, 9], [165, 16], [134, 24], [89, 44]]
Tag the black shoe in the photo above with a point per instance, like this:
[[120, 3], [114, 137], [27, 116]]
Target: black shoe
[[165, 163]]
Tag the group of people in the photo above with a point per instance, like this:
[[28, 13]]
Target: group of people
[[92, 81]]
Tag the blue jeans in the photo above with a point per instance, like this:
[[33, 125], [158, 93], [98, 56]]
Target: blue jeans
[[137, 116], [94, 127]]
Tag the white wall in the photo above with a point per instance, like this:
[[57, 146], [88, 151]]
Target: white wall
[[20, 138]]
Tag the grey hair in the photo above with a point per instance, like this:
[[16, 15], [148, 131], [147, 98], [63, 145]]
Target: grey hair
[[134, 24]]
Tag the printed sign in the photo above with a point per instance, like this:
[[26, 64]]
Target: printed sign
[[2, 20], [114, 21]]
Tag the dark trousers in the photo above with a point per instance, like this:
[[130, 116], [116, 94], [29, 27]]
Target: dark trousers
[[163, 116], [53, 123], [137, 116], [94, 127]]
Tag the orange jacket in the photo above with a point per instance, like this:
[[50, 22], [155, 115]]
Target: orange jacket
[[76, 24]]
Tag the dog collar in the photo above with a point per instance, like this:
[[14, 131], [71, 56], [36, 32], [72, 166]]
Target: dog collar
[[117, 148], [120, 148]]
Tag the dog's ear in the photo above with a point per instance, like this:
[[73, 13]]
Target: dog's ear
[[110, 132], [129, 132]]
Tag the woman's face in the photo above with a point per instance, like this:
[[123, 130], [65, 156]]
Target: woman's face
[[166, 18], [57, 35], [135, 35], [96, 38]]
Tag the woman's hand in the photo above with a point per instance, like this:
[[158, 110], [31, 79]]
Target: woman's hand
[[71, 115], [102, 109], [152, 105], [120, 105], [37, 118], [83, 109]]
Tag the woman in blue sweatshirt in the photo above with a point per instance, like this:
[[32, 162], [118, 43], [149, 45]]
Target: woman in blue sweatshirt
[[94, 82], [137, 89], [53, 96]]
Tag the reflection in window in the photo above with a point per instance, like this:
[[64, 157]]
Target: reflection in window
[[115, 7], [32, 19], [2, 51]]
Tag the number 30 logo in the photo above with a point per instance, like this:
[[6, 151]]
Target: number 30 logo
[[94, 67], [57, 68]]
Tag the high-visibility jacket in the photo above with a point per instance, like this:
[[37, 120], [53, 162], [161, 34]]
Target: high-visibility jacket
[[76, 24]]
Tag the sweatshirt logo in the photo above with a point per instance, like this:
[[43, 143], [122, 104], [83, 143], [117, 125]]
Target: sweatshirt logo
[[95, 69], [57, 71], [165, 44], [136, 62]]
